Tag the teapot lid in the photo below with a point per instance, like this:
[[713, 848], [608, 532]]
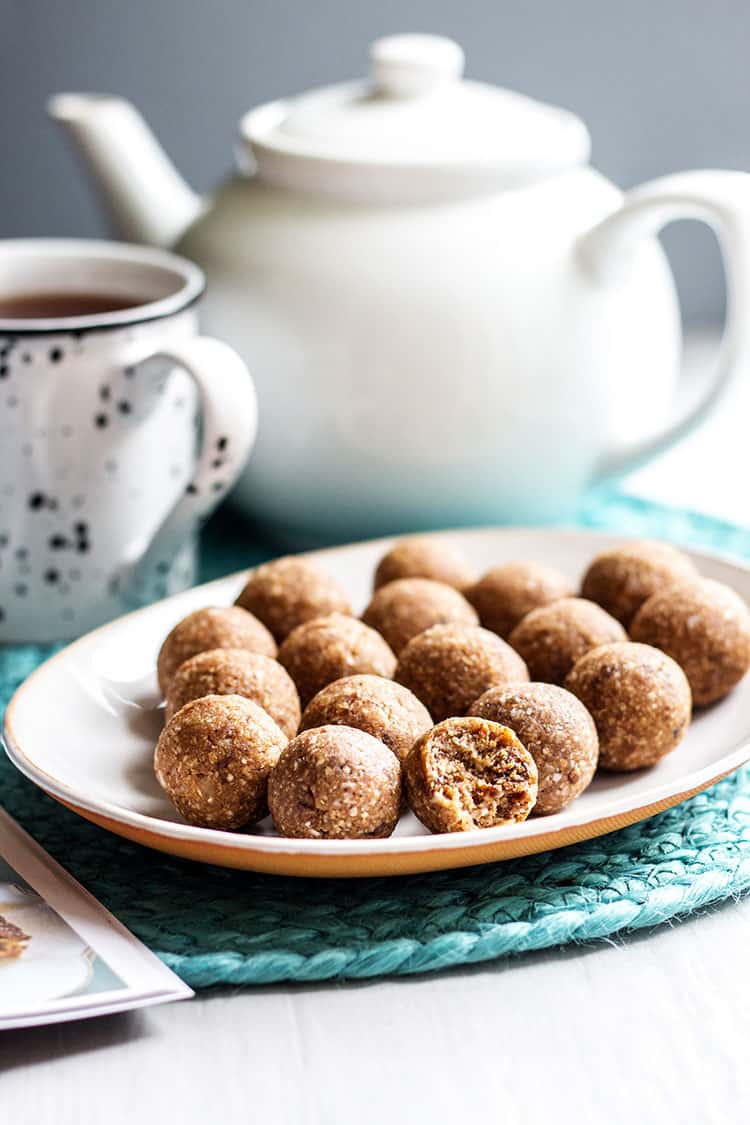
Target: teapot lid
[[416, 126]]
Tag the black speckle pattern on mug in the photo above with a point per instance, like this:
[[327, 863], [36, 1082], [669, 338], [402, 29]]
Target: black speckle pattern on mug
[[55, 562]]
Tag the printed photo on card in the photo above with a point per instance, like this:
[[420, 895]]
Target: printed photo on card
[[62, 955]]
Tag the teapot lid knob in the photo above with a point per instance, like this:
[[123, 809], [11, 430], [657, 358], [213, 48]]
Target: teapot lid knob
[[405, 66]]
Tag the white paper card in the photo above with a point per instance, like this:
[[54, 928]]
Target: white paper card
[[62, 955]]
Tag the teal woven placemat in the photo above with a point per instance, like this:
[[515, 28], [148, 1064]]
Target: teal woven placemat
[[216, 926]]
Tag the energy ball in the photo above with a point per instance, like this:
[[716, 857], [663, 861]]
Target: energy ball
[[287, 592], [470, 773], [235, 671], [507, 593], [558, 732], [421, 557], [407, 606], [550, 639], [639, 699], [622, 580], [213, 760], [449, 666], [328, 648], [214, 627], [335, 783], [705, 627], [384, 709]]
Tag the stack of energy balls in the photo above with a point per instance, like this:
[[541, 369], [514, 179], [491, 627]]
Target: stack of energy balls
[[477, 702]]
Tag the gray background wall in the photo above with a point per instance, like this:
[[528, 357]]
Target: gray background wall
[[663, 84]]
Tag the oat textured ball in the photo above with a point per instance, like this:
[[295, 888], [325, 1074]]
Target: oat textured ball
[[505, 594], [470, 773], [407, 606], [287, 592], [639, 699], [424, 557], [621, 580], [550, 639], [704, 626], [558, 732], [328, 648], [235, 671], [449, 666], [335, 783], [213, 627], [386, 710], [213, 760]]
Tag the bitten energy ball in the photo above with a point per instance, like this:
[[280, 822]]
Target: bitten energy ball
[[287, 592], [420, 557], [449, 666], [214, 627], [213, 760], [550, 639], [382, 708], [407, 606], [639, 699], [328, 648], [705, 627], [470, 773], [235, 671], [558, 732], [505, 594], [335, 783], [621, 580]]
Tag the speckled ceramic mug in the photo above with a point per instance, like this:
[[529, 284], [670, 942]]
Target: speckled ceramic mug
[[119, 432]]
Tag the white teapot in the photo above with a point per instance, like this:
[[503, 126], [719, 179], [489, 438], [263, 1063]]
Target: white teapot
[[451, 318]]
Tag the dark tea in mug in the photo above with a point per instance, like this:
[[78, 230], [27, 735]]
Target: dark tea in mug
[[43, 306]]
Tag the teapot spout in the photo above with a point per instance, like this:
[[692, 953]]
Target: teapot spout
[[145, 196]]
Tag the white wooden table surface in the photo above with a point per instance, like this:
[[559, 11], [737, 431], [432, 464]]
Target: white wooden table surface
[[649, 1028]]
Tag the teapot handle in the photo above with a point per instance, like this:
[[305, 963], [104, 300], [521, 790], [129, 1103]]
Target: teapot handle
[[720, 199]]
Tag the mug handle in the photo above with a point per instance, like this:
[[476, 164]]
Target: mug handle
[[229, 421], [720, 199]]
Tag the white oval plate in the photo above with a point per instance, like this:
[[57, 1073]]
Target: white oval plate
[[84, 725]]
